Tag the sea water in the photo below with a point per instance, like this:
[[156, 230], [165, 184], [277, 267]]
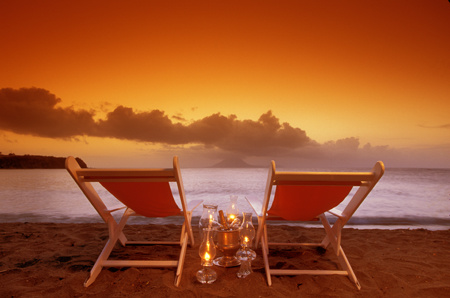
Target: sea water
[[403, 198]]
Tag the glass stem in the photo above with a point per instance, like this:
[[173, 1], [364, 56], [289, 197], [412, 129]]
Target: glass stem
[[245, 269]]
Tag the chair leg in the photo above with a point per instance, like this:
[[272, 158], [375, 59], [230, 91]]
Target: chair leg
[[183, 230], [115, 231], [330, 230], [264, 246], [123, 239], [258, 233], [333, 234], [98, 266], [189, 229], [112, 226], [181, 260], [334, 238], [266, 242], [347, 267]]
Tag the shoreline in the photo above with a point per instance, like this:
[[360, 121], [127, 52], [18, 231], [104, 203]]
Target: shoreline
[[53, 259], [385, 223]]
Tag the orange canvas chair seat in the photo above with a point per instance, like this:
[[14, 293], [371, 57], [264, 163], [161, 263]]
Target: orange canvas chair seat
[[305, 203], [147, 199], [308, 196], [143, 192]]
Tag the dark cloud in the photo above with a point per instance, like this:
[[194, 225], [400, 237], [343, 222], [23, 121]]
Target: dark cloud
[[34, 111], [444, 126], [212, 129], [262, 136], [178, 117], [154, 126], [347, 145]]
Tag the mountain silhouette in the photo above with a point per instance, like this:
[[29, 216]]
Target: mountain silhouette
[[233, 162]]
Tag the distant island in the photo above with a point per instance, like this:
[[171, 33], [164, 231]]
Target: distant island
[[233, 163], [12, 161]]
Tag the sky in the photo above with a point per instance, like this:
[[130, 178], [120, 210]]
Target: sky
[[305, 83]]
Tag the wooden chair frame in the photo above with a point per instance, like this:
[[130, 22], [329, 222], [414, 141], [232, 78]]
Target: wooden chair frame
[[84, 178], [365, 181]]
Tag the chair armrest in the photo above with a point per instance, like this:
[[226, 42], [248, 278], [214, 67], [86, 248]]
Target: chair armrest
[[115, 208], [256, 205], [336, 212], [193, 204]]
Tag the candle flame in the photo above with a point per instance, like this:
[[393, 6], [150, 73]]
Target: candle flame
[[207, 256], [246, 239]]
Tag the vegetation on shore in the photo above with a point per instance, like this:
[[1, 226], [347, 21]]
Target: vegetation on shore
[[12, 161]]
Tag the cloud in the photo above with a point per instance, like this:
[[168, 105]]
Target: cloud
[[153, 126], [34, 111], [7, 139], [260, 137], [179, 117], [443, 126], [346, 145], [224, 132]]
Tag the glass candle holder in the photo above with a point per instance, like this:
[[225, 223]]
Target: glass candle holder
[[208, 218], [207, 252], [245, 269], [247, 234], [245, 255], [232, 210]]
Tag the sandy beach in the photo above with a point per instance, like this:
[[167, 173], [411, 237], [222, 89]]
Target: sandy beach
[[50, 260]]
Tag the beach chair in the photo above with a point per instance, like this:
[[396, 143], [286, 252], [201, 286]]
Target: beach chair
[[143, 192], [308, 196]]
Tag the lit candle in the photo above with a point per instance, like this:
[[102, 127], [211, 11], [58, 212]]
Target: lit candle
[[207, 256], [210, 221], [231, 217], [246, 240]]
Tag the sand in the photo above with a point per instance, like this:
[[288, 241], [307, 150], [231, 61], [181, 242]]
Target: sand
[[53, 260]]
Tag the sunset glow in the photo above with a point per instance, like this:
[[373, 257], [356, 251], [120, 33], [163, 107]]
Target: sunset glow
[[304, 82]]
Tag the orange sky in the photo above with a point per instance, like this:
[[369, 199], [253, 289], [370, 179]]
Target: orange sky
[[346, 73]]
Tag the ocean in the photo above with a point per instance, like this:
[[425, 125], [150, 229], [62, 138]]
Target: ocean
[[403, 198]]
